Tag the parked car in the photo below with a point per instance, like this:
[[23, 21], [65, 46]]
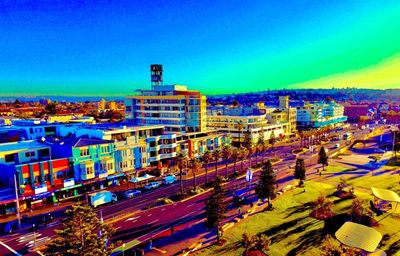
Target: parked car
[[9, 227], [131, 193], [152, 185], [378, 150], [169, 179]]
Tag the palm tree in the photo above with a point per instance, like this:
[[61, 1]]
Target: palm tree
[[235, 157], [181, 160], [240, 126], [226, 155], [216, 155], [250, 152], [243, 153], [206, 158], [195, 164]]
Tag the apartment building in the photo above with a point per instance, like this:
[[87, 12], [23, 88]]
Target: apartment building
[[320, 114], [173, 106]]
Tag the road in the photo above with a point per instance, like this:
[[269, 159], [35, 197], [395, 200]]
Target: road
[[141, 224]]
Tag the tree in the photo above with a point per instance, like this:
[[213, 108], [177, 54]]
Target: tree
[[247, 141], [235, 157], [266, 187], [255, 242], [323, 207], [206, 158], [181, 160], [82, 234], [300, 170], [272, 139], [195, 164], [226, 155], [260, 147], [243, 153], [51, 108], [240, 126], [322, 158], [216, 155], [216, 207]]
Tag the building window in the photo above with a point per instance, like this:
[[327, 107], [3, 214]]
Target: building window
[[85, 152], [9, 158], [29, 154], [104, 149], [89, 170]]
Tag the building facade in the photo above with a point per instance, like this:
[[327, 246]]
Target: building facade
[[175, 107]]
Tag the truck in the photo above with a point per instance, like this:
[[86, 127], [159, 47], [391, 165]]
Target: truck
[[169, 179], [102, 197]]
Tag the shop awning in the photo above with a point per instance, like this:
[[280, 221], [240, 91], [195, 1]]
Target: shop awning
[[359, 236], [115, 176], [386, 195]]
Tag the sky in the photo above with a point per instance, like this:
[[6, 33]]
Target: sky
[[105, 47]]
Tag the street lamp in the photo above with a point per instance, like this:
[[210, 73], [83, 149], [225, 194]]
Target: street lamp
[[123, 249], [17, 202]]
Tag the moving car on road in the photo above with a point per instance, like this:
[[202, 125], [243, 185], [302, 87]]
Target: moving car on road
[[131, 193], [152, 185], [46, 219]]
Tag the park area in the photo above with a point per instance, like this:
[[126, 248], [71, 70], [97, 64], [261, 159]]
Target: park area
[[293, 228]]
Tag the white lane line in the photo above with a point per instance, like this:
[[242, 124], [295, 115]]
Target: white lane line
[[133, 218], [163, 209], [190, 205], [40, 253], [118, 227], [149, 214], [154, 221], [11, 249]]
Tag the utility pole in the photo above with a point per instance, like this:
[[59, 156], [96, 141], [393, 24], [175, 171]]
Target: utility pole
[[394, 137], [17, 202]]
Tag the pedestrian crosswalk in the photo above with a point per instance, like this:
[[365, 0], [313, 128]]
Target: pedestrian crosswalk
[[33, 240]]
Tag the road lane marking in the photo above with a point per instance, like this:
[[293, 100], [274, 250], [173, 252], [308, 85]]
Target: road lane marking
[[118, 227], [133, 218], [154, 221], [163, 209], [149, 214], [190, 205], [10, 249]]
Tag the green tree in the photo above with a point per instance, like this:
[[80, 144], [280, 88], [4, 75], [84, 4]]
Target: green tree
[[181, 159], [51, 108], [195, 164], [216, 207], [235, 157], [83, 234], [206, 159], [272, 139], [300, 170], [247, 141], [266, 187], [216, 155], [322, 158], [226, 155]]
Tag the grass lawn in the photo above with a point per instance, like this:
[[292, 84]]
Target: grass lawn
[[292, 231], [334, 169]]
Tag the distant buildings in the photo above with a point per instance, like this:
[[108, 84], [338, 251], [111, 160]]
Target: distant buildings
[[320, 114]]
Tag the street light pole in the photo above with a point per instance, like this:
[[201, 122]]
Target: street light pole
[[17, 202]]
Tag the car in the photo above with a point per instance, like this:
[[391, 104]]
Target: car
[[378, 150], [169, 179], [46, 219], [337, 145], [152, 185], [9, 227], [131, 193]]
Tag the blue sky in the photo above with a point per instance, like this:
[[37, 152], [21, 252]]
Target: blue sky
[[82, 48]]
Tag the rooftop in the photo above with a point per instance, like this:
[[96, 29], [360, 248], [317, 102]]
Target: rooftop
[[21, 145]]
